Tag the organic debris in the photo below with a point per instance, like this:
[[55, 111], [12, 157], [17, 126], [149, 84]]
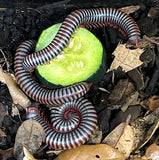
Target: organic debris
[[29, 134], [6, 154], [123, 95], [122, 138], [27, 155], [93, 152], [126, 58], [130, 9], [144, 128], [152, 153], [18, 96]]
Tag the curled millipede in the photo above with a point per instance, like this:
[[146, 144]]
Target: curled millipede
[[71, 124], [75, 120]]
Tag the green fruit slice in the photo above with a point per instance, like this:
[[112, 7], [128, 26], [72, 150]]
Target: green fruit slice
[[82, 59]]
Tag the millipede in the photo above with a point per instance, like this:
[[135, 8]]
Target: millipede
[[75, 120]]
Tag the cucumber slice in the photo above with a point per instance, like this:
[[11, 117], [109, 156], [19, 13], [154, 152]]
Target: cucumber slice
[[82, 59]]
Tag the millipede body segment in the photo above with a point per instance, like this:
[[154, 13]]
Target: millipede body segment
[[75, 120]]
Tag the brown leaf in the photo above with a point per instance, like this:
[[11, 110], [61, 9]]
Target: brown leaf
[[120, 94], [121, 137], [138, 77], [29, 134], [150, 132], [92, 152], [131, 100], [126, 58], [6, 153], [130, 9], [151, 104], [144, 128], [126, 141], [152, 152], [28, 155], [113, 137], [18, 96]]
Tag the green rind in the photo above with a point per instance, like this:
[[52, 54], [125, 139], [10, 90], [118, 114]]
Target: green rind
[[94, 77], [98, 75]]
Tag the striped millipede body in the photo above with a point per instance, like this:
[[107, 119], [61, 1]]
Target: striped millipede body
[[93, 17], [68, 96], [35, 91], [71, 125]]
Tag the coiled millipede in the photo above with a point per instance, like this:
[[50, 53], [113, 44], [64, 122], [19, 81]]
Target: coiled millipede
[[75, 120], [71, 125]]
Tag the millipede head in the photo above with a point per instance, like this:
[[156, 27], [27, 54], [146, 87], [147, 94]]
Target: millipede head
[[31, 112], [134, 40]]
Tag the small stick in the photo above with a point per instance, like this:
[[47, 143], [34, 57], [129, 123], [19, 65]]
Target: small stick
[[5, 59], [150, 40]]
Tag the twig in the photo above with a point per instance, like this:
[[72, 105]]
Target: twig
[[5, 59], [34, 9], [53, 5], [150, 40]]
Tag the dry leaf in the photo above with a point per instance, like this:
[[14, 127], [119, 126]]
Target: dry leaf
[[92, 152], [28, 155], [18, 96], [138, 77], [130, 9], [15, 111], [6, 153], [122, 137], [126, 141], [113, 137], [150, 132], [131, 100], [120, 96], [152, 152], [126, 58], [144, 128], [151, 104], [29, 134]]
